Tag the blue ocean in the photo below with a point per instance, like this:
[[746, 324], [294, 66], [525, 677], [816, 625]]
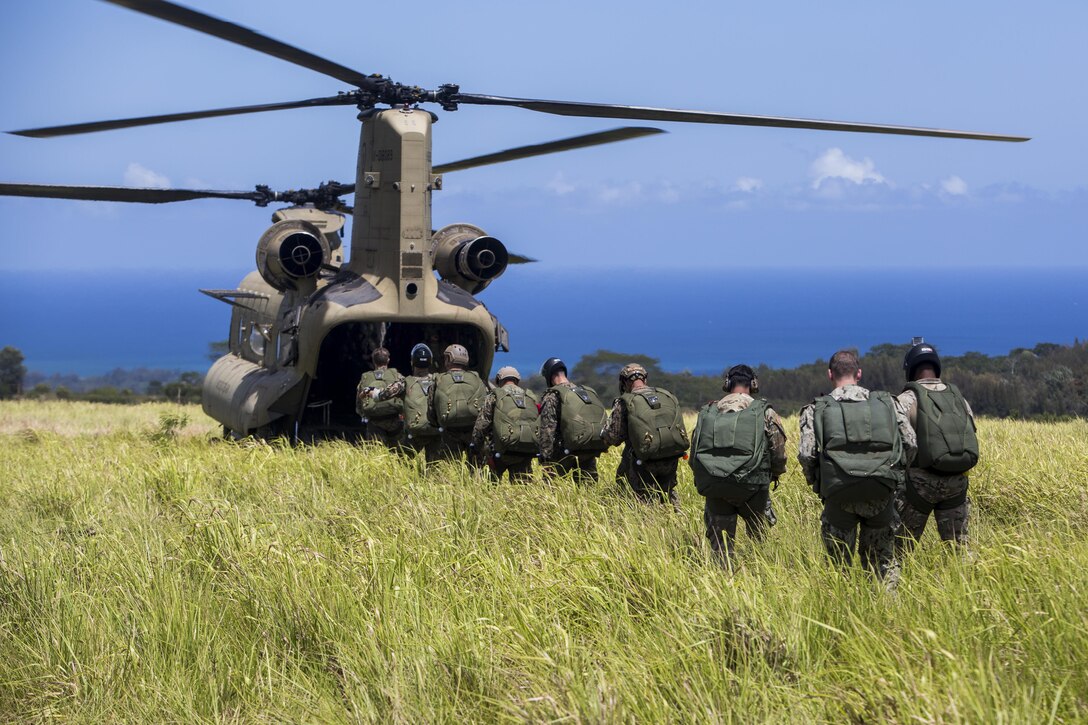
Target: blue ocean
[[699, 320]]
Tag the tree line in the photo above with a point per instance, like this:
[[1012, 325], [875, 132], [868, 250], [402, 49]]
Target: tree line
[[1046, 381]]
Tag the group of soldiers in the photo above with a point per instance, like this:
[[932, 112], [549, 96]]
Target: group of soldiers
[[880, 463]]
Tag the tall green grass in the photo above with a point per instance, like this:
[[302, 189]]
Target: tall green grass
[[174, 577]]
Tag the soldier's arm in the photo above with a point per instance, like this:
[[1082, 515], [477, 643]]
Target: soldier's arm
[[776, 437], [482, 429], [548, 434], [908, 401], [970, 413], [615, 430], [807, 455], [393, 390], [910, 439]]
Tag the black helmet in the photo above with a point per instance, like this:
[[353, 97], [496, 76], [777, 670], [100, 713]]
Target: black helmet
[[741, 375], [550, 367], [922, 352], [422, 357]]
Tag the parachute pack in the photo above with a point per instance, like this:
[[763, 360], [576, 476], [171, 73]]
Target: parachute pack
[[368, 407], [947, 443], [458, 397], [655, 424], [581, 417], [417, 421], [729, 450], [516, 422], [861, 451]]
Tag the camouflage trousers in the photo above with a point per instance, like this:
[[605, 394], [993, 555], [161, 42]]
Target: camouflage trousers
[[651, 481], [943, 496], [583, 468], [877, 521], [519, 467], [431, 447], [457, 444], [720, 516]]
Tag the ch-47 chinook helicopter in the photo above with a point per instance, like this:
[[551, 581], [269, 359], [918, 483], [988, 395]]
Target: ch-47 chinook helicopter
[[305, 322]]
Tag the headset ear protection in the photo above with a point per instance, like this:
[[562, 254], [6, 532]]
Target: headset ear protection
[[753, 386]]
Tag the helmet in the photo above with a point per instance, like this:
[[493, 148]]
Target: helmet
[[741, 375], [507, 373], [456, 354], [550, 367], [632, 371], [422, 357], [922, 352]]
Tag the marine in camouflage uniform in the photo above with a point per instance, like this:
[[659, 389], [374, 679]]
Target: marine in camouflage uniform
[[720, 514], [582, 466], [421, 370], [385, 430], [925, 491], [652, 481], [842, 517], [454, 443], [519, 466]]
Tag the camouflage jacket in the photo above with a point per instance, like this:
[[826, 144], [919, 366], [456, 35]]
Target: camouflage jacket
[[548, 438], [615, 430], [772, 427], [808, 450], [481, 432]]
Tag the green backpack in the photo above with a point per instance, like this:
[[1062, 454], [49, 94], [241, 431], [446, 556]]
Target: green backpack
[[729, 450], [582, 416], [861, 451], [655, 424], [516, 421], [368, 407], [947, 443], [417, 421], [458, 397]]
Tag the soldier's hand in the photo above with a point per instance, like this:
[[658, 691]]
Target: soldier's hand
[[374, 393]]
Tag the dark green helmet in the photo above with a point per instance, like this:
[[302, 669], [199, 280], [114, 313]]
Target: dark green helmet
[[552, 366], [921, 353]]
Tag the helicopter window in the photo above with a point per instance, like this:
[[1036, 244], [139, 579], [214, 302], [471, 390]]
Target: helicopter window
[[258, 337]]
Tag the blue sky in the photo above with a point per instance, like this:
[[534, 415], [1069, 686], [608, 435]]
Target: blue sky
[[700, 196]]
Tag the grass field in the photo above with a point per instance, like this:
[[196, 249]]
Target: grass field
[[149, 572]]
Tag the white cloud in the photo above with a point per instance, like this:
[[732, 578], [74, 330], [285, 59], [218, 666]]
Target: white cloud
[[624, 193], [834, 164], [954, 186], [747, 184], [560, 186], [145, 178]]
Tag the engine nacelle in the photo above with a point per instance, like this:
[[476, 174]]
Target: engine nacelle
[[290, 253], [466, 256]]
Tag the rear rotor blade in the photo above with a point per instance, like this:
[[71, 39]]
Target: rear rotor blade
[[519, 259], [121, 193], [551, 147], [342, 99], [245, 37], [603, 110]]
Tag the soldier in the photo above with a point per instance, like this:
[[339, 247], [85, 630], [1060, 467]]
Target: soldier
[[854, 447], [507, 427], [382, 416], [738, 448], [414, 392], [947, 449], [571, 417], [649, 421], [455, 402]]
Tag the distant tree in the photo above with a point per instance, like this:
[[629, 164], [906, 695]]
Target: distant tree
[[218, 349], [12, 372], [62, 393]]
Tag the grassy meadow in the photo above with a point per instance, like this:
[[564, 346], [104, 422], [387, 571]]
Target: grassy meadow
[[150, 572]]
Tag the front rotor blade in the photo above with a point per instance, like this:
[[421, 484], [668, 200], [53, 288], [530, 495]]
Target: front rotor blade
[[245, 37], [68, 130], [603, 110], [551, 147], [121, 193]]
